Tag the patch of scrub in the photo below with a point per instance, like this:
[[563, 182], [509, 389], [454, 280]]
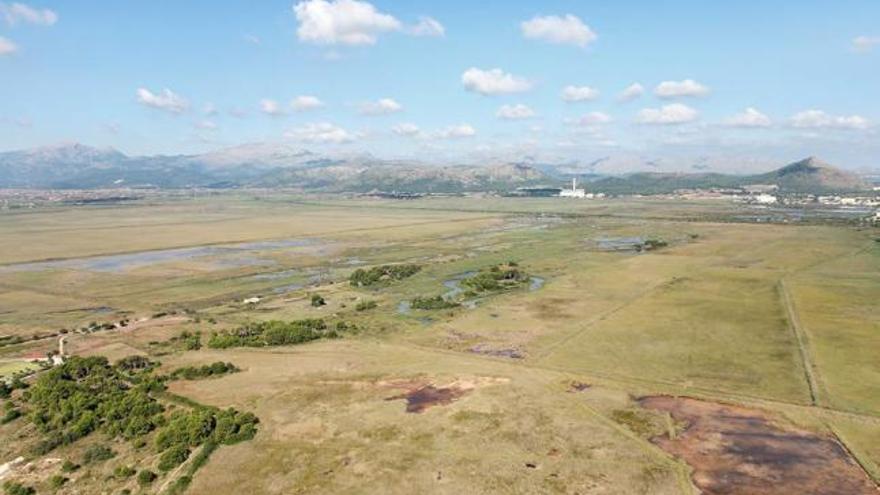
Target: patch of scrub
[[735, 450], [128, 261], [496, 352]]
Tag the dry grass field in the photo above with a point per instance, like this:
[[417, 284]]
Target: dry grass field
[[532, 390]]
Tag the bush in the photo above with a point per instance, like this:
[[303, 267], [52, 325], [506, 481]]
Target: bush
[[69, 466], [382, 274], [436, 302], [57, 481], [206, 371], [173, 457], [270, 333], [365, 305], [98, 453], [15, 488], [318, 301], [123, 472], [11, 415], [146, 477], [5, 390]]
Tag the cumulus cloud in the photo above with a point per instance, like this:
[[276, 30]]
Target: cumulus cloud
[[675, 113], [271, 107], [566, 29], [406, 129], [347, 22], [493, 82], [166, 100], [14, 13], [591, 119], [865, 44], [631, 92], [675, 89], [427, 26], [321, 133], [252, 39], [303, 103], [383, 106], [817, 119], [515, 112], [749, 117], [7, 47], [455, 131], [574, 94]]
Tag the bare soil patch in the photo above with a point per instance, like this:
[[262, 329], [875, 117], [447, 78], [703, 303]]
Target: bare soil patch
[[420, 399], [735, 450]]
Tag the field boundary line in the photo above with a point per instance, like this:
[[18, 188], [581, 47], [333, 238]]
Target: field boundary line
[[800, 335]]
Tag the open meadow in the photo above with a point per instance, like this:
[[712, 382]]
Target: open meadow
[[522, 346]]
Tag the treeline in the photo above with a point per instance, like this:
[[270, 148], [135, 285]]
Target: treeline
[[88, 394], [274, 333], [207, 371], [436, 302], [382, 274]]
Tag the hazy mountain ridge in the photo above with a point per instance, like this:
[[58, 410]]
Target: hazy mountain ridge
[[76, 166]]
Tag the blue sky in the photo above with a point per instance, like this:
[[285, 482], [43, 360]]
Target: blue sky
[[747, 84]]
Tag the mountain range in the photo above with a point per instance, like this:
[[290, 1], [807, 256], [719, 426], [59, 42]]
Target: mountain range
[[76, 166]]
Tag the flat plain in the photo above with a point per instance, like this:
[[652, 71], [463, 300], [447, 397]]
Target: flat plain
[[538, 389]]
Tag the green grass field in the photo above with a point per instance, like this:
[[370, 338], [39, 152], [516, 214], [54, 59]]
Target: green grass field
[[728, 311]]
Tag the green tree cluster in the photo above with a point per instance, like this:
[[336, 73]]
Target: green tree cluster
[[272, 333], [382, 274]]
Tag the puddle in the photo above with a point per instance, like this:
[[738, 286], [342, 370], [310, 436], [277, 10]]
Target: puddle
[[536, 283], [284, 289], [128, 261], [420, 399], [619, 243], [735, 450], [404, 307]]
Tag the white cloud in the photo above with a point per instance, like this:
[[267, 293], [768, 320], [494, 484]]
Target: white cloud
[[209, 109], [165, 100], [865, 44], [252, 39], [591, 119], [427, 26], [574, 94], [304, 103], [322, 133], [675, 113], [493, 82], [455, 131], [7, 47], [515, 112], [817, 119], [206, 125], [674, 89], [749, 117], [347, 22], [271, 107], [406, 129], [383, 106], [632, 92], [566, 29], [14, 13]]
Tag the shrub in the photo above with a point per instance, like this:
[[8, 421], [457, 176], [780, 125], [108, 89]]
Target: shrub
[[11, 415], [57, 481], [123, 472], [98, 453], [15, 488], [173, 457], [436, 302], [318, 301], [146, 477], [69, 466], [206, 371], [269, 333], [365, 305], [382, 274]]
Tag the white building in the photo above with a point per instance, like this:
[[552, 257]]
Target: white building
[[764, 199], [574, 192]]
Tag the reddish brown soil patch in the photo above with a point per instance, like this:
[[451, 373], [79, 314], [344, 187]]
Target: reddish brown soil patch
[[734, 450], [417, 400]]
